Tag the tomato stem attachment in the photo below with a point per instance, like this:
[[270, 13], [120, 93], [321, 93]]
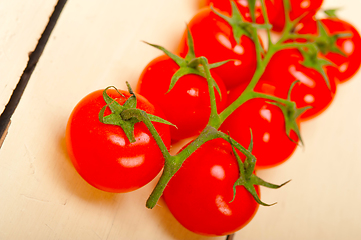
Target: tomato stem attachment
[[173, 163]]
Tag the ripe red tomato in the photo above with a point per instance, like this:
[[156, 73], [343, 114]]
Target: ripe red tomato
[[103, 155], [243, 7], [213, 38], [187, 105], [267, 123], [286, 67], [200, 194], [348, 63], [305, 8]]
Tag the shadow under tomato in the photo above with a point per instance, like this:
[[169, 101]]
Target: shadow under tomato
[[172, 228], [75, 184]]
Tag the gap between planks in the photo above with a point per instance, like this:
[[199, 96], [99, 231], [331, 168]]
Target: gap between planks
[[24, 79], [33, 60]]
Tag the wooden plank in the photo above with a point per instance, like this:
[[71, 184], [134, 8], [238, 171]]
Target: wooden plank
[[2, 137], [98, 43], [322, 200], [22, 23], [94, 44]]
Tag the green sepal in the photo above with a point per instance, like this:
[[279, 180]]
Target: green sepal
[[331, 12], [327, 42], [180, 61], [111, 103], [259, 181], [115, 117], [250, 162], [157, 119], [182, 71], [218, 64], [132, 100], [190, 64], [248, 182], [252, 9], [239, 26], [205, 71], [311, 60], [291, 113], [190, 54]]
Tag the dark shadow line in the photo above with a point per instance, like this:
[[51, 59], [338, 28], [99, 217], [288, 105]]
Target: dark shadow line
[[230, 237], [33, 60]]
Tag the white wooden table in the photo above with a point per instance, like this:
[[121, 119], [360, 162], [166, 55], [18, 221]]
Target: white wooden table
[[99, 43]]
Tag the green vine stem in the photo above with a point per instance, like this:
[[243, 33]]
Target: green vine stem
[[200, 66], [173, 163]]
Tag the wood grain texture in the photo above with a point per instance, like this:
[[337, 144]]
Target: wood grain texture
[[22, 23], [322, 200], [2, 137], [98, 43], [94, 44]]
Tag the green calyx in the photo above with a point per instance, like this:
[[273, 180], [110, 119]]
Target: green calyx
[[327, 42], [190, 64], [247, 178], [313, 61], [291, 113], [119, 115], [198, 66], [332, 13], [239, 26]]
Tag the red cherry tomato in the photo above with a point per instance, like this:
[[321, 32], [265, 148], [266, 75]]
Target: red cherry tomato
[[286, 67], [200, 194], [213, 38], [267, 123], [243, 7], [103, 155], [187, 105], [348, 63], [305, 8]]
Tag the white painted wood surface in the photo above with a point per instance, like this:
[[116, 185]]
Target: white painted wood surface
[[21, 26], [98, 43], [323, 199]]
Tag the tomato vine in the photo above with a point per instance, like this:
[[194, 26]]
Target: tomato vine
[[310, 55]]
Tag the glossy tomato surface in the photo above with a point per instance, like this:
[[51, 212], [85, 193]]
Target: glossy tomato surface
[[299, 8], [187, 105], [312, 90], [213, 38], [200, 194], [348, 63], [243, 7], [267, 123], [103, 155]]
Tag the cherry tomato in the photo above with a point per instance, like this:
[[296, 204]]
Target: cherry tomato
[[213, 38], [187, 105], [267, 123], [200, 194], [286, 67], [305, 8], [243, 7], [103, 155], [347, 63]]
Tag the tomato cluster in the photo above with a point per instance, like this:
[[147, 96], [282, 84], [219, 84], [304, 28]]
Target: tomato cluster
[[235, 98]]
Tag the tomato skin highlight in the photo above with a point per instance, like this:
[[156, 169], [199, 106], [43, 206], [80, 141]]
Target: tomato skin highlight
[[268, 129], [346, 65], [103, 155], [199, 195], [187, 105], [285, 68], [213, 38], [242, 5], [305, 8]]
